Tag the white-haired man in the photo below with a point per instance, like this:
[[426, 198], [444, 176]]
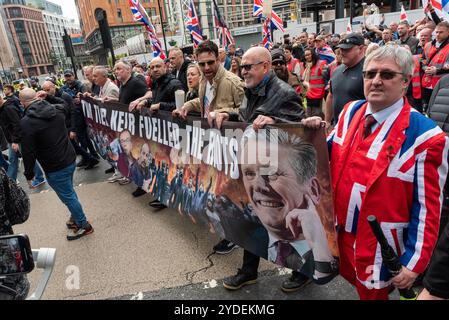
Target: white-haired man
[[390, 161]]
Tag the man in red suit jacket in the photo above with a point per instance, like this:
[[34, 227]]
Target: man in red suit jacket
[[389, 161]]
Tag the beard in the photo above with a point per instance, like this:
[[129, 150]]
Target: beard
[[282, 74]]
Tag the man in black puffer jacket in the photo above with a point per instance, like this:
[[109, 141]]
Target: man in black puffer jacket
[[163, 88], [439, 112], [179, 65], [45, 138], [58, 97]]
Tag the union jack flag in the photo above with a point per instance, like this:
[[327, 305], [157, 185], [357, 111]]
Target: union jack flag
[[258, 8], [276, 21], [220, 23], [140, 15], [441, 7], [193, 25], [266, 35]]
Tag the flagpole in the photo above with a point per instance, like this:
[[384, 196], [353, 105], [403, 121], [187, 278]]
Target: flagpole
[[183, 22], [215, 27], [162, 24]]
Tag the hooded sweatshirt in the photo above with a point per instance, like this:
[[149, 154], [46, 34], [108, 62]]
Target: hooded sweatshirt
[[45, 138]]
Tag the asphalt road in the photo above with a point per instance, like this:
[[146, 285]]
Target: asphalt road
[[136, 253]]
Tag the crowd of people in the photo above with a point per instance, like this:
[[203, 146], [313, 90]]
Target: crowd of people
[[381, 95]]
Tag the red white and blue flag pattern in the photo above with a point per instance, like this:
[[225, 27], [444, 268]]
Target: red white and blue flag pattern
[[266, 35], [193, 25], [441, 7], [276, 21], [140, 15], [223, 30]]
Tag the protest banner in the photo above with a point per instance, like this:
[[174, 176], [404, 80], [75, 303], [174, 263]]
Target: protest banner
[[268, 191]]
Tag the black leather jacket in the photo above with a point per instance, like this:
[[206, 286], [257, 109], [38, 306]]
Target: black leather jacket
[[272, 98], [164, 92]]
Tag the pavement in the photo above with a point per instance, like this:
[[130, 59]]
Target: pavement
[[140, 254]]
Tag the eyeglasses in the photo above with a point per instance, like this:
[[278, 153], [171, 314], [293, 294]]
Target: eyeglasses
[[248, 67], [384, 75], [209, 63], [278, 63]]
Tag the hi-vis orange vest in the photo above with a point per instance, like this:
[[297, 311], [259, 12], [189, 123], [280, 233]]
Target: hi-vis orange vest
[[316, 80], [416, 79], [437, 61], [292, 65]]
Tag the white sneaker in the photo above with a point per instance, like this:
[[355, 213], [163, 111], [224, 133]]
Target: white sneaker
[[124, 181], [115, 177]]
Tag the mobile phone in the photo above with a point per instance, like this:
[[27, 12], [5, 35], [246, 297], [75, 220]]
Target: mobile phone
[[16, 256]]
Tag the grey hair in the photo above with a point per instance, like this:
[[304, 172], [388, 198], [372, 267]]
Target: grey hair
[[400, 55], [88, 68], [104, 72], [302, 155], [126, 63]]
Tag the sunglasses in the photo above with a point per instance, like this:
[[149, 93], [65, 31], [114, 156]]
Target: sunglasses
[[209, 63], [278, 63], [384, 75], [248, 67]]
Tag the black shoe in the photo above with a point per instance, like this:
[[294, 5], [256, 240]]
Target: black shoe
[[224, 247], [138, 192], [156, 204], [239, 280], [82, 163], [92, 163], [110, 170], [295, 282], [80, 232]]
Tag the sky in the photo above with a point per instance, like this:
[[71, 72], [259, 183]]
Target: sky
[[68, 8]]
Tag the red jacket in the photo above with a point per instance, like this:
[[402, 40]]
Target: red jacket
[[403, 189]]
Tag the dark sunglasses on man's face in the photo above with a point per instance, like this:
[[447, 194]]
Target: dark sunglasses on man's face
[[209, 63], [384, 75], [278, 63], [248, 67]]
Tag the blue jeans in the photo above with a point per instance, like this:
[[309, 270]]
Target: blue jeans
[[62, 182], [3, 163], [13, 168]]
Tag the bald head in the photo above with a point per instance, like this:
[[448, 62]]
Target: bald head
[[256, 64], [176, 58], [49, 87], [157, 68], [27, 96], [260, 52], [425, 36]]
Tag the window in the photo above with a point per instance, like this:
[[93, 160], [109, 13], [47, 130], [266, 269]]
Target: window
[[119, 15]]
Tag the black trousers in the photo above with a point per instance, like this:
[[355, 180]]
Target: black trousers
[[426, 94], [251, 264], [314, 108], [436, 280]]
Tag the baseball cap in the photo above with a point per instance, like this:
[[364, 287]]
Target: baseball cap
[[277, 55], [68, 72], [320, 37], [352, 39]]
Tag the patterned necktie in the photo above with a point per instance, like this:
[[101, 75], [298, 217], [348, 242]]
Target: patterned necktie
[[369, 122], [283, 251]]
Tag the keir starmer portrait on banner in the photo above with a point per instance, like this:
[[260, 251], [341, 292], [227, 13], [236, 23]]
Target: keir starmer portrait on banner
[[284, 195]]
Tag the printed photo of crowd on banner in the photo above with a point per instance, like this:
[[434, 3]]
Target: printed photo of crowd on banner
[[284, 216], [321, 147]]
